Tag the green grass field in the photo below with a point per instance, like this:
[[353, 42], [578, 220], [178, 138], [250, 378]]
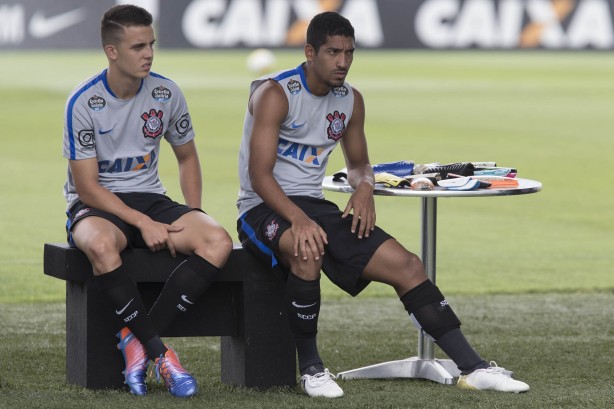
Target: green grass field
[[547, 114]]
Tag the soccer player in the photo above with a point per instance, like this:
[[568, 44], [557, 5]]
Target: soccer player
[[293, 121], [114, 122]]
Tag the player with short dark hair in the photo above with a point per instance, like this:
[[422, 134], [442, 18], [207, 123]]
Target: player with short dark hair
[[114, 122], [295, 118]]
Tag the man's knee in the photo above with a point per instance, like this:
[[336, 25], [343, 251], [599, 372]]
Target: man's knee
[[304, 269], [98, 238], [394, 265], [215, 246], [308, 269], [413, 263], [101, 247], [102, 251], [409, 272], [220, 240]]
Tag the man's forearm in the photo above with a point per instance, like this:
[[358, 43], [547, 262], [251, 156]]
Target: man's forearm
[[190, 180], [274, 197], [103, 199], [359, 175]]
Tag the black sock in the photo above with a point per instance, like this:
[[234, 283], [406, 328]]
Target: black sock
[[124, 296], [303, 306], [434, 315], [155, 347], [183, 288], [455, 345], [309, 361]]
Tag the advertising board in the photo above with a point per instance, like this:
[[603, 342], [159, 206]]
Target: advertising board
[[389, 24]]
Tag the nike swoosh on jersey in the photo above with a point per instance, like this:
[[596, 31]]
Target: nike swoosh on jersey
[[43, 27], [123, 309], [294, 125], [103, 132], [303, 306], [185, 298]]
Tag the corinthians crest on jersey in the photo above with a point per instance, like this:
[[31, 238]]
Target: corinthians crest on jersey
[[153, 123], [336, 125]]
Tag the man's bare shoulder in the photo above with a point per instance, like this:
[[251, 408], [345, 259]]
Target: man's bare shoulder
[[268, 87], [357, 93], [270, 94]]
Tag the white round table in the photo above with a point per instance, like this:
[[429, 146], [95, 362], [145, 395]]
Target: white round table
[[425, 365]]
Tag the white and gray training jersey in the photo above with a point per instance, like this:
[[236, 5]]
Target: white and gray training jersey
[[124, 135], [307, 136]]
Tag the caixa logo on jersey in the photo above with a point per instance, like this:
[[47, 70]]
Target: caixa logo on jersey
[[309, 155], [153, 123], [130, 164]]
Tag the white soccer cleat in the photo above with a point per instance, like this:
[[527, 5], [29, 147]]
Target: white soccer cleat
[[493, 378], [321, 384]]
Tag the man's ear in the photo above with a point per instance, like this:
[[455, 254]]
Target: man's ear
[[110, 51], [310, 52]]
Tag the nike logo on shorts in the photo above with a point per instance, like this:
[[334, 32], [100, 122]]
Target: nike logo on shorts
[[185, 299], [123, 309]]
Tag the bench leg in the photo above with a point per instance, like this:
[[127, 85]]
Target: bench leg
[[263, 355], [92, 358]]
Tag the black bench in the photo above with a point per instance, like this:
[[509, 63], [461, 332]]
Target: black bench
[[244, 306]]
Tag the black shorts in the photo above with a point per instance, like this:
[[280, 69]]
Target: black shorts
[[157, 206], [346, 255]]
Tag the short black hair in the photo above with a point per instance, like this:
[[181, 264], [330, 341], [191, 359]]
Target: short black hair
[[328, 23], [120, 16]]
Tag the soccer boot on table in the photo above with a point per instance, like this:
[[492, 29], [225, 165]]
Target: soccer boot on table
[[493, 378], [321, 384], [136, 361], [177, 380], [401, 168], [460, 169]]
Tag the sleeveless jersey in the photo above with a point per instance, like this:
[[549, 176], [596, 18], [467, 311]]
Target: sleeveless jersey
[[124, 135], [308, 134]]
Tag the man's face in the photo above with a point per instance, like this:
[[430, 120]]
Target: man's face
[[134, 53], [333, 60]]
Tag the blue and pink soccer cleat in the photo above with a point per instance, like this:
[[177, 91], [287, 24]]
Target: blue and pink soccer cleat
[[136, 361], [178, 381]]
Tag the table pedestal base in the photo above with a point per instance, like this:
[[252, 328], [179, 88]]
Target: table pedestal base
[[437, 370]]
